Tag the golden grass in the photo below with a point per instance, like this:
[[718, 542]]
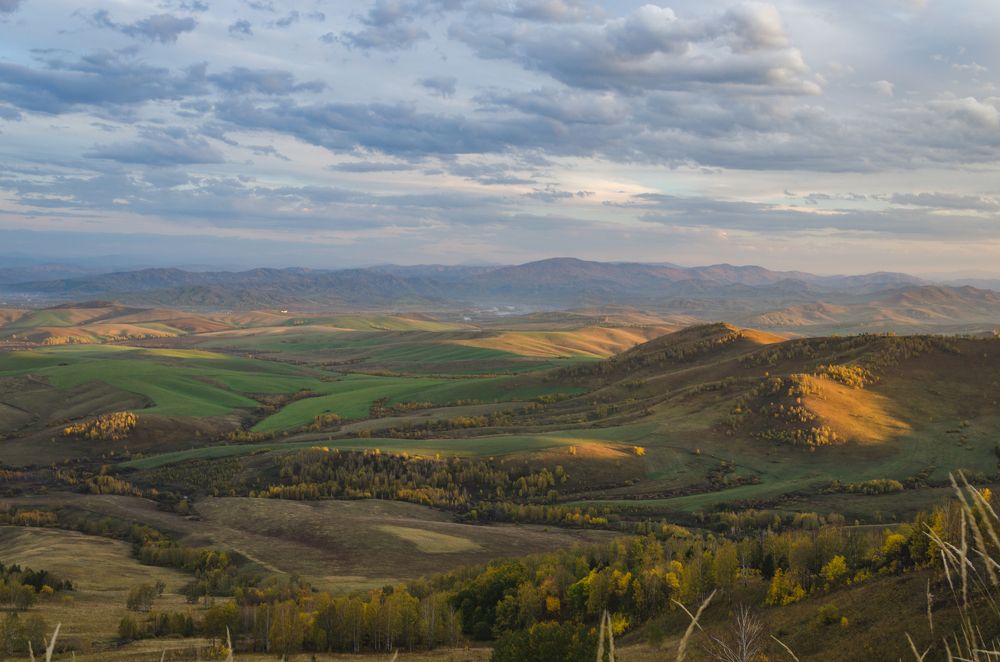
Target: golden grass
[[856, 415], [594, 342]]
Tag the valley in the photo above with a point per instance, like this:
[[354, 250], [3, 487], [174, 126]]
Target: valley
[[355, 451]]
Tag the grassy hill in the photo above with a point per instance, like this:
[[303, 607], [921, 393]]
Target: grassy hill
[[590, 427]]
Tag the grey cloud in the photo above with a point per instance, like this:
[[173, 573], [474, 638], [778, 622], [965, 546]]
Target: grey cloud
[[744, 48], [262, 81], [160, 147], [102, 79], [561, 105], [185, 5], [241, 27], [267, 150], [288, 20], [9, 6], [392, 129], [363, 167], [551, 193], [243, 202], [165, 28], [946, 201], [443, 86], [388, 37], [538, 10], [766, 218], [391, 24], [260, 5], [489, 174]]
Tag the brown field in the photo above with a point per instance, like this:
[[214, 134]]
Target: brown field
[[341, 546], [102, 571]]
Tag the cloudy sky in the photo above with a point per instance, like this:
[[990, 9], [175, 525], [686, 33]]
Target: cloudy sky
[[826, 135]]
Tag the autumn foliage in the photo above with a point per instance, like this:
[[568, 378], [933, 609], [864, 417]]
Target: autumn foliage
[[108, 427]]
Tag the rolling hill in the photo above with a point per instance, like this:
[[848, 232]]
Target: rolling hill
[[927, 309]]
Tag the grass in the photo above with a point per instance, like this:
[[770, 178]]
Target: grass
[[177, 382], [406, 351], [590, 342], [102, 571], [352, 395], [341, 546], [430, 542], [469, 446]]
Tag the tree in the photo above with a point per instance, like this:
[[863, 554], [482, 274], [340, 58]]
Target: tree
[[141, 597], [834, 571], [744, 642]]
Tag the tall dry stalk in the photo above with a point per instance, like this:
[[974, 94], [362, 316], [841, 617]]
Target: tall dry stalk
[[50, 646], [682, 647], [974, 565]]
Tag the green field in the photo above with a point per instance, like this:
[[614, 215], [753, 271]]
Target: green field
[[463, 446], [351, 396], [403, 351], [176, 382], [200, 383]]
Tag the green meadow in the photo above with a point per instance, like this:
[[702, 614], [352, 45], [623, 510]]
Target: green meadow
[[197, 383], [467, 446]]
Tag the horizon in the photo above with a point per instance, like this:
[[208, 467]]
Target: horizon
[[447, 132], [125, 267]]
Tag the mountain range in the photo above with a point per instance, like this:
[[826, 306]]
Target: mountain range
[[791, 300]]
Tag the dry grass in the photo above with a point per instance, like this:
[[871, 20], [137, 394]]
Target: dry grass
[[430, 542], [102, 571], [854, 414], [972, 570], [596, 342]]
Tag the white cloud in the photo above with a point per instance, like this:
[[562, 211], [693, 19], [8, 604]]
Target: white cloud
[[884, 88]]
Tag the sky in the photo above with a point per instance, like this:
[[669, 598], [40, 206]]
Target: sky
[[832, 136]]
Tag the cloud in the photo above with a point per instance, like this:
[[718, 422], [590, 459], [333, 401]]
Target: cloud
[[241, 27], [364, 167], [9, 6], [242, 80], [946, 201], [9, 114], [699, 211], [570, 107], [164, 28], [971, 111], [160, 147], [538, 10], [883, 88], [392, 24], [385, 37], [103, 79], [442, 86], [744, 48], [288, 20]]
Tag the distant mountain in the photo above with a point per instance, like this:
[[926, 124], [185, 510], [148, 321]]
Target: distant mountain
[[930, 308], [757, 296], [19, 273], [981, 283], [257, 288]]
